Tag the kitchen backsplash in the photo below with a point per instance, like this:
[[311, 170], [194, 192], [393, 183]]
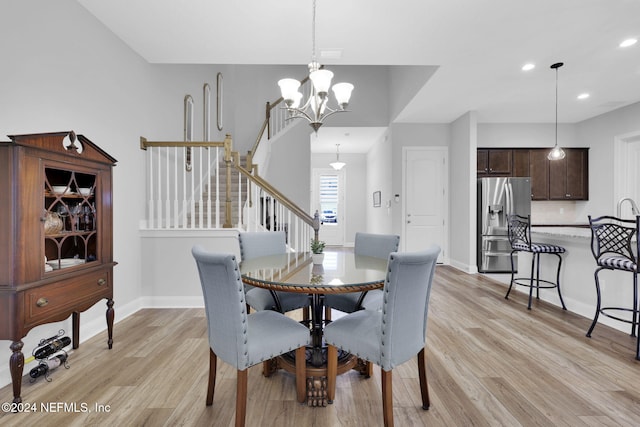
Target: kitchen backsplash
[[553, 212]]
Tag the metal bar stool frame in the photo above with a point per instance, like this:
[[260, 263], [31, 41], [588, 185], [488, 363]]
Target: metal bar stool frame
[[519, 232], [613, 249]]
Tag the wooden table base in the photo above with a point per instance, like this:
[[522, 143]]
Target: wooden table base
[[317, 376]]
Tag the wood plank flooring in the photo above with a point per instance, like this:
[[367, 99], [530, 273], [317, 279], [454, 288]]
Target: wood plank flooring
[[490, 362]]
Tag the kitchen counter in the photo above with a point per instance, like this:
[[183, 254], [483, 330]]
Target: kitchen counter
[[577, 231], [576, 275]]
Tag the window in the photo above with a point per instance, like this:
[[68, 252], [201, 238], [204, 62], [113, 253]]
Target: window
[[329, 199]]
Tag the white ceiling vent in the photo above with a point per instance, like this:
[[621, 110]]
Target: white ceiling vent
[[330, 53]]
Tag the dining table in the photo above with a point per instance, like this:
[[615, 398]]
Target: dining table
[[341, 271]]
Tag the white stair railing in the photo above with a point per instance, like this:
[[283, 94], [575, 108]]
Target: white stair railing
[[266, 209], [207, 195], [197, 197]]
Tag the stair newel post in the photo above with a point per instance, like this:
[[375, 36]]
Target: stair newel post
[[227, 162]]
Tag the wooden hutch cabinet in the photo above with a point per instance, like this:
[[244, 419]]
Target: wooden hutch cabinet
[[56, 257]]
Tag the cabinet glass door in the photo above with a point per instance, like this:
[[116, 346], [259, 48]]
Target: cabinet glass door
[[70, 219]]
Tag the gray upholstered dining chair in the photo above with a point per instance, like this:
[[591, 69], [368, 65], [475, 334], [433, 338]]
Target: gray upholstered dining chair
[[241, 339], [394, 335], [255, 244], [366, 244]]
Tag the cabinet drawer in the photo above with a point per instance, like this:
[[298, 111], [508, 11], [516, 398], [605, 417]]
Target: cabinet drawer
[[63, 297]]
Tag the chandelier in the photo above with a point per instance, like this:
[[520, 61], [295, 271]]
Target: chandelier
[[337, 165], [314, 109], [556, 153]]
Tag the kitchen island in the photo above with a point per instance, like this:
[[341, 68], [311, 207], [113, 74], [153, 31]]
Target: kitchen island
[[576, 276]]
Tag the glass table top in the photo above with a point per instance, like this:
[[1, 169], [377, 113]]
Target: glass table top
[[341, 271]]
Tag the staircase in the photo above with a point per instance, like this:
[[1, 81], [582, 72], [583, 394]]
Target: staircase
[[186, 189], [215, 191]]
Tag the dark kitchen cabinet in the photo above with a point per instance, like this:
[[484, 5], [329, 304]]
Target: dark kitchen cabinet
[[566, 179], [533, 163], [539, 169], [521, 162], [494, 162], [569, 177]]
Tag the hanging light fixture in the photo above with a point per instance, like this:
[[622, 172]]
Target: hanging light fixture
[[556, 153], [315, 109], [337, 165]]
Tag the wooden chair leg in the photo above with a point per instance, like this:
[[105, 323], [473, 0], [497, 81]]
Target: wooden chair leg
[[368, 369], [327, 313], [241, 397], [387, 398], [213, 363], [301, 373], [422, 374], [332, 372]]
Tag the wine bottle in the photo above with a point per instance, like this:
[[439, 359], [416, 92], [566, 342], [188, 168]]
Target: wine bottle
[[55, 345], [48, 365]]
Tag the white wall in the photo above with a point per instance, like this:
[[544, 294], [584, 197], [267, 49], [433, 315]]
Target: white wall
[[463, 195], [172, 280], [379, 178], [599, 134], [291, 156], [64, 71], [526, 135]]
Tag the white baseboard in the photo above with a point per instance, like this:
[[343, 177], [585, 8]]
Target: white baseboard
[[469, 269]]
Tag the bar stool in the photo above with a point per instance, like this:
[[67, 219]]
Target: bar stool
[[519, 230], [614, 248]]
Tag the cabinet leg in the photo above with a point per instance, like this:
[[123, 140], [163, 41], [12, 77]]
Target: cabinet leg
[[75, 319], [16, 365], [110, 315]]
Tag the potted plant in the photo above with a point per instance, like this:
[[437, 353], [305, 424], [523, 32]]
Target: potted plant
[[317, 249]]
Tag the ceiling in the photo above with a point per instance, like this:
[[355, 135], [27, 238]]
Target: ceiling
[[478, 46]]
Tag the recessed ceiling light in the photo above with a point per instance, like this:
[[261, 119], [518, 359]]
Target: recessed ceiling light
[[628, 42], [583, 96], [528, 67]]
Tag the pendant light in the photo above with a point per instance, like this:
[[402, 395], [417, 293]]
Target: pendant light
[[315, 109], [337, 165], [557, 153]]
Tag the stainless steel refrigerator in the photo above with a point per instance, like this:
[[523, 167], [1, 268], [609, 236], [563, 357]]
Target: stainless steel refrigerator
[[497, 198]]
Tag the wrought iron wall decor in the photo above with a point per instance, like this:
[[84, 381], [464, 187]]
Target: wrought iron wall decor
[[188, 128], [219, 94]]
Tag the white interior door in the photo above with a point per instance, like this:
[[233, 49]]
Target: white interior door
[[425, 208], [328, 199]]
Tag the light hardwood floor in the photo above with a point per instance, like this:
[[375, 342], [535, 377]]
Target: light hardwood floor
[[490, 362]]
